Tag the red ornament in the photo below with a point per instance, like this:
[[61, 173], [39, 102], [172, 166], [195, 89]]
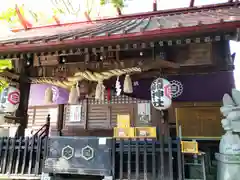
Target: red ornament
[[109, 94], [167, 91], [14, 98]]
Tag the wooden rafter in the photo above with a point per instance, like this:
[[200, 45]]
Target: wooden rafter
[[191, 3], [56, 20], [9, 76], [87, 17], [159, 64], [26, 25], [105, 75], [154, 5]]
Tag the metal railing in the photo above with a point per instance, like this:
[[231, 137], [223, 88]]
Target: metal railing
[[44, 130], [147, 159], [23, 157]]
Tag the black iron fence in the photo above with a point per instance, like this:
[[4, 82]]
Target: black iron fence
[[147, 159], [131, 158], [44, 130], [23, 157]]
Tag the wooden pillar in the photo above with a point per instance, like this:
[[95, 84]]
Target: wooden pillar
[[86, 105], [24, 87], [154, 5], [60, 119], [191, 3]]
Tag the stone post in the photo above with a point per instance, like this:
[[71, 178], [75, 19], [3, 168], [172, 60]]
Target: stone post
[[229, 149]]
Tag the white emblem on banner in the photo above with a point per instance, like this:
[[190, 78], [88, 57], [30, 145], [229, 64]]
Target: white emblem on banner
[[55, 91], [176, 88]]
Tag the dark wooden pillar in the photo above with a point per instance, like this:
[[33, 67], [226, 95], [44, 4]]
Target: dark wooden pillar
[[154, 5], [60, 119], [191, 3], [24, 87]]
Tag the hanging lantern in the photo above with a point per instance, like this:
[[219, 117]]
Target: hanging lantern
[[161, 96], [10, 99]]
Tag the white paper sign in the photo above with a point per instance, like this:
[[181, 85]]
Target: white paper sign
[[102, 141], [75, 113]]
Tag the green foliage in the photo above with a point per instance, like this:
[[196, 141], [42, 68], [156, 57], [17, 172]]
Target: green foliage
[[57, 11], [65, 7], [10, 15], [4, 64], [116, 3]]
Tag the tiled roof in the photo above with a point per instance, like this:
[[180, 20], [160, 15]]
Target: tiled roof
[[116, 29]]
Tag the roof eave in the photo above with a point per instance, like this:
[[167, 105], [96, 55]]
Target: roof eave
[[160, 33], [147, 14]]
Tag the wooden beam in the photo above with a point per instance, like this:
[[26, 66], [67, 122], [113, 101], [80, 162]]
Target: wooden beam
[[191, 3], [24, 87], [22, 19], [158, 64], [60, 119], [85, 107], [87, 17], [56, 20], [119, 11], [154, 5]]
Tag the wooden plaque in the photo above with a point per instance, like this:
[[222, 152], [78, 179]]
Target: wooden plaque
[[199, 122]]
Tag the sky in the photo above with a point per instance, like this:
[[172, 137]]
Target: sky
[[131, 6]]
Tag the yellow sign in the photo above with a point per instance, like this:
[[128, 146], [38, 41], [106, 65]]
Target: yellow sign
[[145, 132], [190, 147], [124, 133], [123, 121]]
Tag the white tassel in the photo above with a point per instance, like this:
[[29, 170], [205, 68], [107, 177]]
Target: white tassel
[[48, 98], [73, 96], [118, 87], [98, 91], [102, 93], [127, 86], [78, 89]]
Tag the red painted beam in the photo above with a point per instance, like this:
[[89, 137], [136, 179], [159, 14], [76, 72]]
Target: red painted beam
[[87, 17], [158, 33], [56, 20], [26, 25]]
